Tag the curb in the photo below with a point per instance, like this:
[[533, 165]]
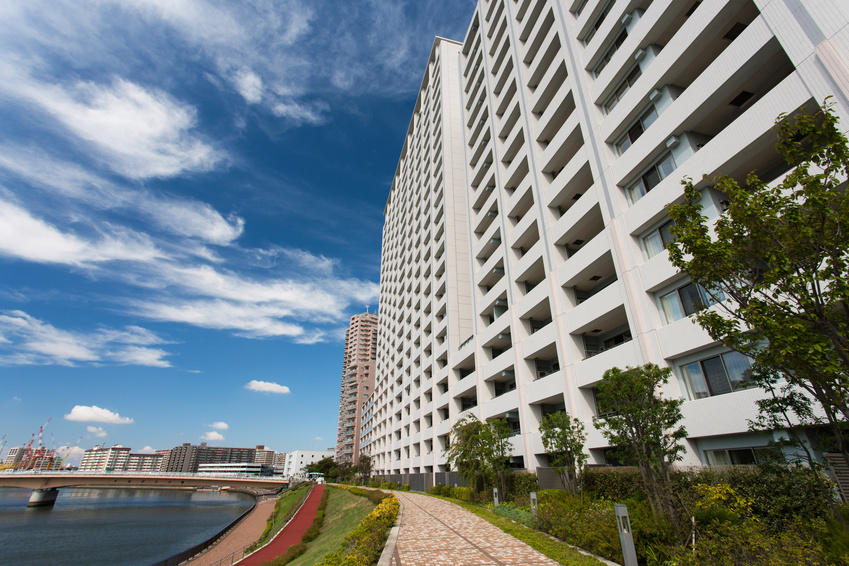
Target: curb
[[388, 555]]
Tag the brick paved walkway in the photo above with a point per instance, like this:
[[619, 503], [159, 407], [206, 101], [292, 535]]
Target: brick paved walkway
[[437, 533], [244, 534]]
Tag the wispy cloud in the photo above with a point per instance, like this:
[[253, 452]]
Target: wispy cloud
[[30, 341], [212, 436], [95, 414], [266, 387], [97, 431]]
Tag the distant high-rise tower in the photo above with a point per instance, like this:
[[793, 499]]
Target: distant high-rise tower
[[357, 383]]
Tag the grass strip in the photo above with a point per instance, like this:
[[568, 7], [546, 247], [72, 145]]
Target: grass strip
[[344, 512], [364, 544], [554, 549], [282, 513]]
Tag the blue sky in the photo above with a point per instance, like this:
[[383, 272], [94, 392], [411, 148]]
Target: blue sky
[[191, 198]]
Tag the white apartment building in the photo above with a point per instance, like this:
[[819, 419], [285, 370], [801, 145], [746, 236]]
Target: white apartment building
[[523, 248], [297, 460], [102, 459]]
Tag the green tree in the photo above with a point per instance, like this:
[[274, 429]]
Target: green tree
[[480, 451], [779, 255], [364, 466], [326, 466], [644, 428], [563, 438]]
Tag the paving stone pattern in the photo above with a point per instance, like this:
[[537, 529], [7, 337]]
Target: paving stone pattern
[[437, 533]]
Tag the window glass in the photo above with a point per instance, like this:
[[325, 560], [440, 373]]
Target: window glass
[[738, 369], [653, 244], [665, 235], [691, 300], [651, 179], [649, 117], [695, 377], [671, 306], [666, 167], [742, 457], [715, 374], [718, 458]]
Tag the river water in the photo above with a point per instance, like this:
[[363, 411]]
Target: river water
[[115, 527]]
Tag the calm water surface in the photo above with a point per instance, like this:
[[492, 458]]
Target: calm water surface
[[116, 527]]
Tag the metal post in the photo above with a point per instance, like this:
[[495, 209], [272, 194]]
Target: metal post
[[623, 523], [534, 504], [495, 496]]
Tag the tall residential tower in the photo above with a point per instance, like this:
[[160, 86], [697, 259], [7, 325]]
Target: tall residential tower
[[357, 384], [523, 248]]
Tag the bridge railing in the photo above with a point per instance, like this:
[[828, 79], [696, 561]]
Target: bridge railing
[[174, 475]]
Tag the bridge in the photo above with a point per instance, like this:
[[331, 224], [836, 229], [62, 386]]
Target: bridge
[[46, 483]]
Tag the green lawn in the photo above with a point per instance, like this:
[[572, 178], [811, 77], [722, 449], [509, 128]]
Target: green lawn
[[287, 501], [344, 512], [554, 549]]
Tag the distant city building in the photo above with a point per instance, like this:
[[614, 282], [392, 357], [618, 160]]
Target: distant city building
[[299, 459], [102, 459], [264, 456], [279, 463], [144, 463], [164, 461], [188, 457], [357, 383], [13, 458], [243, 468]]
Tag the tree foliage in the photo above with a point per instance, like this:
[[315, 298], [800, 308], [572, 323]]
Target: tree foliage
[[563, 438], [480, 451], [644, 428], [364, 466], [779, 254]]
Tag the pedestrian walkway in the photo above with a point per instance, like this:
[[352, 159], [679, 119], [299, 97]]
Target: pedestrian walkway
[[228, 550], [291, 533], [437, 533]]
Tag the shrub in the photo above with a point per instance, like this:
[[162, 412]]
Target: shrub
[[436, 489], [514, 513], [405, 487], [616, 484], [463, 493], [519, 486], [590, 525], [291, 553], [365, 543], [448, 491]]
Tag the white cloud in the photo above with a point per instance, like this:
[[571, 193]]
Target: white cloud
[[138, 132], [34, 342], [219, 425], [318, 438], [26, 237], [212, 436], [266, 387], [147, 450], [179, 216], [16, 398], [97, 431], [73, 455], [249, 86], [95, 414]]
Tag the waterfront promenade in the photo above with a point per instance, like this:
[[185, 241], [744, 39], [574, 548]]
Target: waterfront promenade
[[228, 550], [438, 533]]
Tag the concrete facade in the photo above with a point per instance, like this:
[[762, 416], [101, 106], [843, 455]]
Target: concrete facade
[[101, 459], [358, 366], [523, 247], [297, 460]]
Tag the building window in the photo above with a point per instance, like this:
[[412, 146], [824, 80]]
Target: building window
[[717, 375], [636, 130], [685, 301], [622, 89], [733, 457], [650, 179], [598, 21], [608, 55], [657, 240]]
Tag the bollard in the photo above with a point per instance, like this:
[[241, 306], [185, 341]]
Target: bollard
[[495, 497], [623, 523], [534, 504]]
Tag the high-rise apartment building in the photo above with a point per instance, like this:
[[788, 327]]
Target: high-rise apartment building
[[187, 457], [523, 248], [102, 459], [358, 368]]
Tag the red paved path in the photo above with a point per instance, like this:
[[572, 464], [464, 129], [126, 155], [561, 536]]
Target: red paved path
[[291, 534]]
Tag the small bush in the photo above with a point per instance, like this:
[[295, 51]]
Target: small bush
[[463, 493], [405, 487], [514, 513], [436, 489], [448, 491], [519, 486], [291, 553]]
